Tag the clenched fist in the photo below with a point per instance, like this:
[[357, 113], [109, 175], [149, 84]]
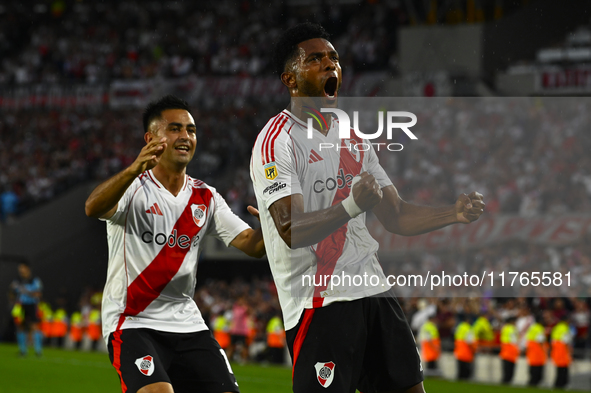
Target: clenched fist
[[367, 193], [469, 207]]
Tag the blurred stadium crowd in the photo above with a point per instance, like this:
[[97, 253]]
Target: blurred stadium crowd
[[97, 42], [46, 154], [526, 159]]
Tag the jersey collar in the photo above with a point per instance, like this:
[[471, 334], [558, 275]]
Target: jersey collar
[[333, 123], [160, 186]]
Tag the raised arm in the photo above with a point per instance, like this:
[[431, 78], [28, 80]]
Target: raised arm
[[103, 201], [406, 219], [300, 229]]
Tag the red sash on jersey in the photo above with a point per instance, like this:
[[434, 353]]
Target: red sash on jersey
[[156, 276], [331, 248]]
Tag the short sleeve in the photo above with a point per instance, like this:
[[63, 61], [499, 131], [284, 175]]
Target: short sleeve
[[226, 225], [275, 175], [374, 168], [38, 285], [119, 216]]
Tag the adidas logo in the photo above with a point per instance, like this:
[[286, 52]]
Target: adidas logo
[[155, 209], [314, 157]]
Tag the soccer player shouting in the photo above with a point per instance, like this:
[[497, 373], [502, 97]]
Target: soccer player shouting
[[313, 206], [156, 218]]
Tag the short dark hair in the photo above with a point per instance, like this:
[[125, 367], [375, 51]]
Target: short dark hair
[[286, 47], [155, 108]]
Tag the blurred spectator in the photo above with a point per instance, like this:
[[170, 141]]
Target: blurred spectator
[[525, 320], [580, 319], [446, 322], [9, 202], [239, 330], [559, 309], [508, 310]]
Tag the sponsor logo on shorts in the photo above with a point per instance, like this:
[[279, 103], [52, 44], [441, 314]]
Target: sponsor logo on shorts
[[274, 187], [199, 214], [146, 365], [325, 373]]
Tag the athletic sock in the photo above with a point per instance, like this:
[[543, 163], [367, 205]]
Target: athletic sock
[[38, 342], [21, 339]]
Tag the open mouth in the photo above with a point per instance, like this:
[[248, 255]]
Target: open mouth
[[330, 87], [182, 148]]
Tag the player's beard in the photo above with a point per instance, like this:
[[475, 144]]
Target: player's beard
[[309, 89], [316, 93]]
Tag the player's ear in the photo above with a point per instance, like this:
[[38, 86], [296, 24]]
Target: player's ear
[[148, 136], [289, 80]]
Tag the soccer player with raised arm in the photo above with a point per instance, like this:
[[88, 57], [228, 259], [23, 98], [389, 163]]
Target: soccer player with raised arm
[[156, 218], [313, 206]]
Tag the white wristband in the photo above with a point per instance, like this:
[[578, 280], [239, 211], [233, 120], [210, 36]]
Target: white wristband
[[349, 202], [351, 207]]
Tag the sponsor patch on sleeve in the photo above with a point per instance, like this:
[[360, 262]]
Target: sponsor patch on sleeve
[[271, 171]]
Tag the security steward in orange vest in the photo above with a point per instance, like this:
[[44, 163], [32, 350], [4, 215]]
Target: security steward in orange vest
[[76, 329], [94, 328], [561, 339], [46, 316], [59, 327], [535, 352], [94, 323], [464, 348], [221, 330], [275, 339], [430, 343], [509, 349]]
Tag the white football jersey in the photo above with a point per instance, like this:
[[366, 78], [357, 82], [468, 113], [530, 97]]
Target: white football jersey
[[154, 240], [285, 162]]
